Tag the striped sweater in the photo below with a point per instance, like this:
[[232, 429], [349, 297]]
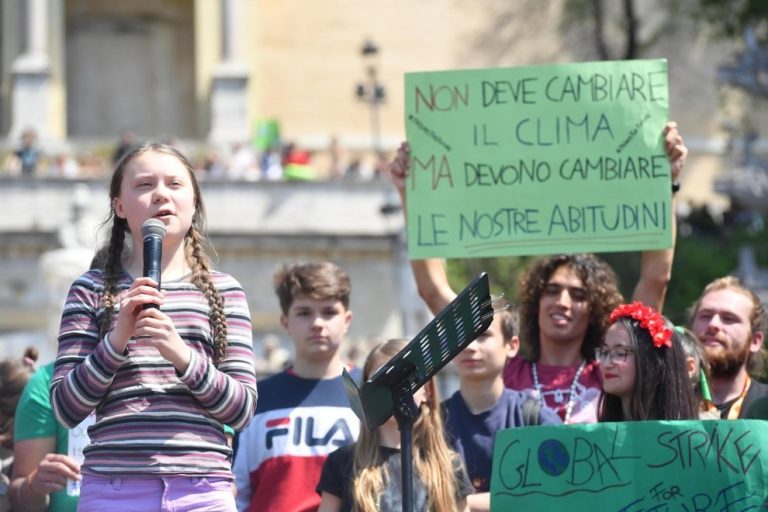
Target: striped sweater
[[150, 419]]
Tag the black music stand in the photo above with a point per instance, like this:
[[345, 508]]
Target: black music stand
[[390, 390]]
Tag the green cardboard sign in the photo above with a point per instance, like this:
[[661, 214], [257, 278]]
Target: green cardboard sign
[[632, 467], [538, 160]]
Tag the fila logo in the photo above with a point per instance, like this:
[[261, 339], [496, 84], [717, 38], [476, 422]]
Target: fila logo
[[304, 432]]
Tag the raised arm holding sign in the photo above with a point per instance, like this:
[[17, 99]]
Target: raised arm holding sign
[[565, 299]]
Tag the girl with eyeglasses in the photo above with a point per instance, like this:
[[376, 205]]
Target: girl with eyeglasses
[[643, 366]]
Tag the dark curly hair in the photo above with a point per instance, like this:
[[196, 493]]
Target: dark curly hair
[[603, 295]]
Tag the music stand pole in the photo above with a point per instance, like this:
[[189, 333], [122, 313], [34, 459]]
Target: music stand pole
[[389, 391], [405, 414]]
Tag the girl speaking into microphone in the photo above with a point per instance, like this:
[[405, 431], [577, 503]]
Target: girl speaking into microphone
[[163, 380]]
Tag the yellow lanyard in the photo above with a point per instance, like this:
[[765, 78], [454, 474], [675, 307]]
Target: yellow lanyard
[[733, 413]]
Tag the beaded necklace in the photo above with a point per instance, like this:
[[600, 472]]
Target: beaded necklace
[[558, 392]]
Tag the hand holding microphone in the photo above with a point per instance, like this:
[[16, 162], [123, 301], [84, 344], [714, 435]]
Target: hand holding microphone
[[134, 300], [153, 232], [156, 328]]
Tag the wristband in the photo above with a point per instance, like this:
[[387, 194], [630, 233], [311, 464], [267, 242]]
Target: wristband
[[675, 187]]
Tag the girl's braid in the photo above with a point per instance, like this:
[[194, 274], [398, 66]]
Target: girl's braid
[[201, 277], [112, 269]]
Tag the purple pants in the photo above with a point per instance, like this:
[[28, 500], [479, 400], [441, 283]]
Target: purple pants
[[156, 494]]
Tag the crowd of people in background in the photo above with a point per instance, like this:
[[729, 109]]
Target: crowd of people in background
[[239, 161], [170, 373]]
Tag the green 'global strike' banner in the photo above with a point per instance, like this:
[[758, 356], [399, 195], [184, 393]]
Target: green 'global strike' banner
[[684, 466], [538, 160]]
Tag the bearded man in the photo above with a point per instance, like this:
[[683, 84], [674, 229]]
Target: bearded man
[[730, 321]]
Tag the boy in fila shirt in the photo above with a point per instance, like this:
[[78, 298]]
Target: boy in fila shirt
[[303, 413]]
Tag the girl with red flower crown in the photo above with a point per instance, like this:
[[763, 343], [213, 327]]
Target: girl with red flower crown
[[643, 367]]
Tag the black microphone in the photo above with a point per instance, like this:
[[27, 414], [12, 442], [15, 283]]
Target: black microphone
[[153, 232]]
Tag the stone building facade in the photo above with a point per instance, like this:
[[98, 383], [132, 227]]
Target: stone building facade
[[81, 71]]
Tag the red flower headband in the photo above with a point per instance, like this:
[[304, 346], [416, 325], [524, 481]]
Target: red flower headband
[[649, 319]]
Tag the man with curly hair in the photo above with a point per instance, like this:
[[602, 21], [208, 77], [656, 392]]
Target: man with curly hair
[[565, 304]]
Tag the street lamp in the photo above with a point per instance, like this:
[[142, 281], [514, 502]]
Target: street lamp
[[371, 91]]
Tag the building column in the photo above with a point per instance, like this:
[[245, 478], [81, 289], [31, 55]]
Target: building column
[[229, 113], [31, 93]]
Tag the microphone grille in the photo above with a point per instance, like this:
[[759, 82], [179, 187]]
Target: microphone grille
[[153, 227]]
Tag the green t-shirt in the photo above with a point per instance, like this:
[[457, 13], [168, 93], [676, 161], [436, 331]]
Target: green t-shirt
[[34, 419]]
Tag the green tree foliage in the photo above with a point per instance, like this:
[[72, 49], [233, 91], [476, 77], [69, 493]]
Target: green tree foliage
[[622, 30], [503, 273], [729, 18], [710, 252]]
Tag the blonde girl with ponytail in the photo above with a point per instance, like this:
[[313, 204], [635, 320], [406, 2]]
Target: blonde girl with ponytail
[[365, 476], [163, 370]]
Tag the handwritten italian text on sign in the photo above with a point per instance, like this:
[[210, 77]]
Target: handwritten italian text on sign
[[538, 160], [632, 467]]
